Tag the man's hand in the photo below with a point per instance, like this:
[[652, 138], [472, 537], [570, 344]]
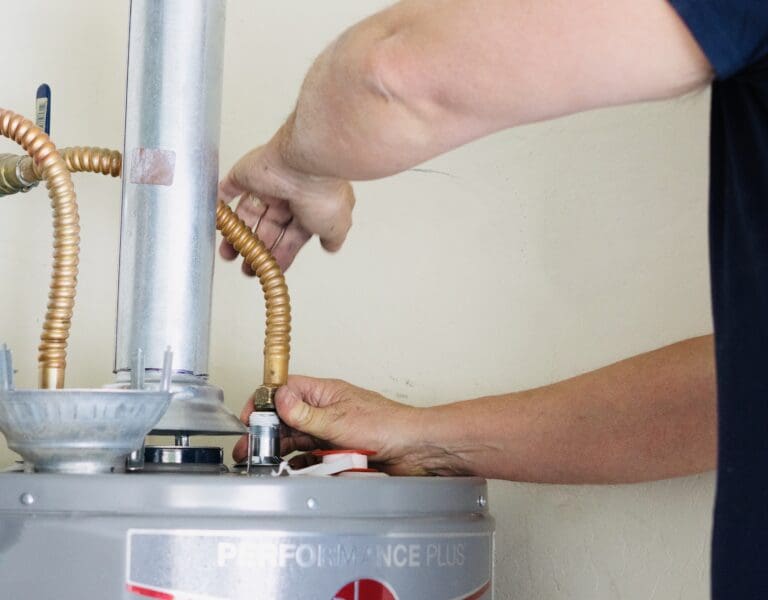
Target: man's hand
[[345, 416], [274, 197], [649, 417], [425, 76]]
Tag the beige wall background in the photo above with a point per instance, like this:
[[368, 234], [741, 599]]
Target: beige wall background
[[521, 259]]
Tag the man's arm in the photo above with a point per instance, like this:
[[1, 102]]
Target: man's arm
[[649, 417], [426, 76]]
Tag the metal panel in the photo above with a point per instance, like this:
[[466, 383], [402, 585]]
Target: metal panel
[[234, 537], [239, 495]]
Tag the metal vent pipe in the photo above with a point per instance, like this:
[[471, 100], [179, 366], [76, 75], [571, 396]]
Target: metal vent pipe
[[170, 177]]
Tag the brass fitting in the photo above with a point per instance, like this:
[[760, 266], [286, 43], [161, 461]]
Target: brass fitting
[[264, 398], [19, 173], [16, 174], [51, 378]]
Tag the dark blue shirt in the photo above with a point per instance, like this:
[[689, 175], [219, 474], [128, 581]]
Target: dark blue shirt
[[734, 36]]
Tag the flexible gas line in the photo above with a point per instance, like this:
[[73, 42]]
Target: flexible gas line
[[66, 242], [92, 160], [277, 338], [17, 173]]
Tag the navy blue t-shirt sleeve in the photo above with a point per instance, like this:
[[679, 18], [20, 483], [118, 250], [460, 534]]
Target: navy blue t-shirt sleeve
[[732, 33]]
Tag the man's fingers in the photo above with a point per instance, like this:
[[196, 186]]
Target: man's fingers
[[302, 461], [273, 223], [310, 205], [298, 443], [303, 443], [228, 189], [313, 391], [332, 245], [240, 450], [227, 251], [246, 269], [339, 221], [294, 240], [282, 240], [246, 412], [290, 399], [249, 209], [290, 443], [295, 412]]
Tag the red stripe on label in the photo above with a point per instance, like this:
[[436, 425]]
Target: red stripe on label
[[147, 592], [479, 593]]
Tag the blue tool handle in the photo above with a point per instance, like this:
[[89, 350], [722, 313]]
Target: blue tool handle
[[43, 108]]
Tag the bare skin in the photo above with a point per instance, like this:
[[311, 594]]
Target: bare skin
[[412, 82], [649, 417], [426, 76]]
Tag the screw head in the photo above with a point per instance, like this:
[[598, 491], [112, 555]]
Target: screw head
[[27, 499], [312, 503], [482, 501]]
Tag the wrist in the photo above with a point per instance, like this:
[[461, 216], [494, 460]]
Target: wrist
[[443, 445], [295, 172]]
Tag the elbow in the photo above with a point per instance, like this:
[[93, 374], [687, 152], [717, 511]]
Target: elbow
[[407, 103], [373, 95], [383, 70], [398, 73]]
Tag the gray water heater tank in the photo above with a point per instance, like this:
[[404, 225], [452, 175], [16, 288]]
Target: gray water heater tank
[[181, 536]]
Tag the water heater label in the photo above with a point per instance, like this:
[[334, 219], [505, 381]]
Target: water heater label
[[240, 565]]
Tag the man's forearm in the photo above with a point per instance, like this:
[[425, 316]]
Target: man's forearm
[[425, 76], [649, 417]]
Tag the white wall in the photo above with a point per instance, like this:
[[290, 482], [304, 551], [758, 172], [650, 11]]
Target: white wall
[[521, 259]]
